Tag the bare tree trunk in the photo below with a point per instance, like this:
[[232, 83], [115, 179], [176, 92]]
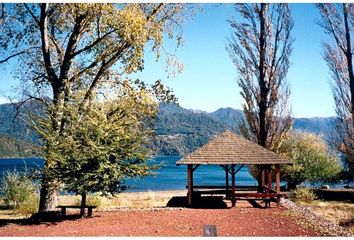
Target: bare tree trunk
[[262, 139], [48, 193], [349, 57], [48, 198], [336, 20], [260, 47]]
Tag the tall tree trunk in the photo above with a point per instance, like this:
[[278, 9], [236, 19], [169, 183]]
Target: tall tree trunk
[[262, 139], [349, 57], [48, 197], [48, 193]]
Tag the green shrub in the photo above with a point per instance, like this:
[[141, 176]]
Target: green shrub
[[17, 188], [29, 206], [313, 160], [304, 194]]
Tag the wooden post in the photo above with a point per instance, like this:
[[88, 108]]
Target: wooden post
[[233, 188], [277, 178], [263, 177], [269, 179], [190, 184], [63, 211], [277, 182], [83, 204], [227, 178]]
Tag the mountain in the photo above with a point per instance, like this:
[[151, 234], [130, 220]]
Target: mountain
[[178, 130], [11, 147], [14, 120], [228, 116], [319, 125], [16, 137]]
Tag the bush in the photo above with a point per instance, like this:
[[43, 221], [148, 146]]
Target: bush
[[313, 161], [29, 206], [17, 189], [304, 194]]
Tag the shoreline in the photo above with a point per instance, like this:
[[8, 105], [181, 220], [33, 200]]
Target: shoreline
[[21, 158]]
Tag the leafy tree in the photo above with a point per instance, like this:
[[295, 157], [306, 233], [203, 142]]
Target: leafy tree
[[260, 47], [337, 22], [63, 49], [313, 162], [97, 150]]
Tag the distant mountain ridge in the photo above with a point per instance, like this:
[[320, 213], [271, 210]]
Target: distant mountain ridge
[[181, 131], [227, 115], [178, 130], [319, 125]]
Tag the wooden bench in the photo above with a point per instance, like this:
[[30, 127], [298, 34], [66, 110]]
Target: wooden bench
[[238, 188], [267, 198], [89, 209]]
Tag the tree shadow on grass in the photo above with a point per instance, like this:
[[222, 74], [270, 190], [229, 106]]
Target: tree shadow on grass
[[208, 202], [48, 218]]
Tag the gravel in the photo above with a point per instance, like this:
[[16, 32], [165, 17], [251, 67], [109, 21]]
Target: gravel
[[321, 224]]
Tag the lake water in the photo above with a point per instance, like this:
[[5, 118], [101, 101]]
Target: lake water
[[168, 177]]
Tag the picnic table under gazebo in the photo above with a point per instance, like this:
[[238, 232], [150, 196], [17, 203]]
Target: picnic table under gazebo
[[232, 152]]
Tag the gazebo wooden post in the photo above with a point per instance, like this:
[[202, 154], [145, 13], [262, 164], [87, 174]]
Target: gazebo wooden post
[[233, 188], [190, 183], [277, 182], [227, 178], [262, 177], [269, 179]]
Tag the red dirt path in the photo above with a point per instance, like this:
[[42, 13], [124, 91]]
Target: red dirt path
[[241, 221]]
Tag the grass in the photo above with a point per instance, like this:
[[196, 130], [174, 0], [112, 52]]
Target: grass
[[134, 200], [341, 213], [23, 211]]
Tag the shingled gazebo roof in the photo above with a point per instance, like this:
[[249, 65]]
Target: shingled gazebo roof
[[229, 148]]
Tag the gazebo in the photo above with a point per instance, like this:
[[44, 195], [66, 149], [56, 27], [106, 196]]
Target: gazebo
[[229, 150]]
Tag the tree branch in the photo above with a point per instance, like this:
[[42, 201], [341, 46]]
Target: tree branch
[[45, 45], [105, 66], [12, 56], [94, 43], [32, 14], [72, 44]]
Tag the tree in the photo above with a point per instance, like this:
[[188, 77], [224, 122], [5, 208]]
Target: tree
[[97, 150], [337, 22], [313, 162], [62, 49], [260, 48]]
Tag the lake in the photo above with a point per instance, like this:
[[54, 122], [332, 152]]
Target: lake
[[168, 177]]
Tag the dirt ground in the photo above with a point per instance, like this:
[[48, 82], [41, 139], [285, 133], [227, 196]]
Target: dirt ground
[[244, 220]]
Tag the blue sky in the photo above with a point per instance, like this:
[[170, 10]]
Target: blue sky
[[208, 81]]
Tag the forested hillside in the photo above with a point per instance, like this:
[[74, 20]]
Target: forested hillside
[[11, 147], [178, 130]]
